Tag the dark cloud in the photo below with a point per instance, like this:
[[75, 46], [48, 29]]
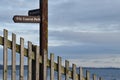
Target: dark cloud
[[85, 49], [85, 42]]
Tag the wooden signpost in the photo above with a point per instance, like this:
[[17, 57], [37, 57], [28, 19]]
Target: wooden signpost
[[43, 37], [38, 16]]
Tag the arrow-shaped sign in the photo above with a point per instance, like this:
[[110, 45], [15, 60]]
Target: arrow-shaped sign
[[26, 19]]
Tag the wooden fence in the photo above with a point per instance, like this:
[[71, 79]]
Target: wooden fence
[[34, 61]]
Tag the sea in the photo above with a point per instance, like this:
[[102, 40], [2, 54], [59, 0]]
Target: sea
[[105, 73]]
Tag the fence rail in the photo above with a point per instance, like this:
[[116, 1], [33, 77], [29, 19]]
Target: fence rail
[[34, 61]]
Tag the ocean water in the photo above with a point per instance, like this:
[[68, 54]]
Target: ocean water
[[106, 73]]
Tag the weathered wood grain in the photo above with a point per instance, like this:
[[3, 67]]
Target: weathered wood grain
[[67, 70], [74, 71], [59, 68], [52, 67], [21, 59], [29, 60], [13, 77], [5, 54]]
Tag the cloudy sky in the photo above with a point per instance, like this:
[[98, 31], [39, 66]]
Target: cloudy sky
[[86, 32]]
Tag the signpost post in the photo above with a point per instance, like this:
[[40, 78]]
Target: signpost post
[[39, 16], [43, 37]]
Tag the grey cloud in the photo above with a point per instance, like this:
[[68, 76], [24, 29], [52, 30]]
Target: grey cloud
[[84, 11], [86, 42], [98, 61], [87, 37], [85, 49]]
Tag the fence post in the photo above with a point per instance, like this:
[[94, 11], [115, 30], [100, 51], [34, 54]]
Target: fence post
[[21, 59], [52, 67], [87, 75], [67, 70], [59, 68], [33, 69], [94, 77], [29, 60], [100, 78], [37, 63], [13, 77], [80, 73], [5, 55], [74, 71]]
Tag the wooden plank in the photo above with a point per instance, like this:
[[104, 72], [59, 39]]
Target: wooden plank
[[59, 68], [67, 70], [26, 19], [100, 78], [13, 57], [43, 35], [87, 75], [52, 67], [45, 65], [34, 68], [94, 77], [81, 73], [21, 59], [37, 63], [5, 55], [29, 60], [74, 71]]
